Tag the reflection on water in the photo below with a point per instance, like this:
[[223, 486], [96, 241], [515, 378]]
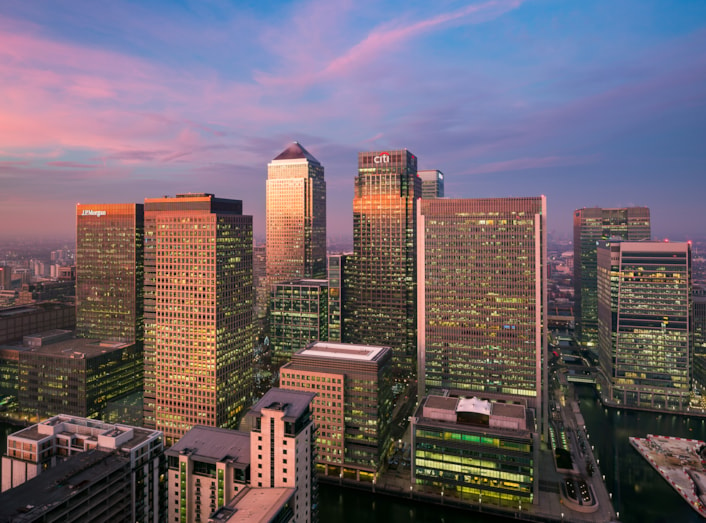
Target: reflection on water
[[639, 492]]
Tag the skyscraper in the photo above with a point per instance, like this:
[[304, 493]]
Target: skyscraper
[[482, 296], [644, 323], [109, 271], [432, 184], [380, 308], [198, 312], [296, 216], [591, 225]]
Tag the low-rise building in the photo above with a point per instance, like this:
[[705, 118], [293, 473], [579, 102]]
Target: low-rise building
[[474, 449], [52, 447], [208, 466]]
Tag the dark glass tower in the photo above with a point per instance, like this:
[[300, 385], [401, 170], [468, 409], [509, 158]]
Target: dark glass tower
[[482, 296], [590, 226], [109, 271], [644, 324], [380, 306], [296, 216]]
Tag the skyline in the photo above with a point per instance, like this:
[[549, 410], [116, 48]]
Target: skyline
[[591, 104]]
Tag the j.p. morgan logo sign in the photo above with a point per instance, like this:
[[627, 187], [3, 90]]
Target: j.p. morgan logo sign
[[381, 158], [91, 212]]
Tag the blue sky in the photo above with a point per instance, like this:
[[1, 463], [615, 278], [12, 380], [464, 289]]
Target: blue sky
[[592, 103]]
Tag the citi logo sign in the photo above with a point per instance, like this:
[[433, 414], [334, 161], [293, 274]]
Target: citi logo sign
[[382, 158], [91, 212]]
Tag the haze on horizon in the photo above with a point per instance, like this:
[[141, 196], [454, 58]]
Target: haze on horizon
[[590, 103]]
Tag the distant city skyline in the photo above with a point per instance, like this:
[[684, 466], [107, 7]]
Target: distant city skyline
[[589, 103]]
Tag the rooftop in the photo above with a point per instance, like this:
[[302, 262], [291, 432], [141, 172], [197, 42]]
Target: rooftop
[[77, 348], [214, 444], [296, 152], [294, 403], [67, 425], [346, 351], [253, 505], [51, 488]]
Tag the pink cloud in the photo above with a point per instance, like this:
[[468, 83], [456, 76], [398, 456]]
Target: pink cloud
[[521, 164], [381, 40], [72, 165]]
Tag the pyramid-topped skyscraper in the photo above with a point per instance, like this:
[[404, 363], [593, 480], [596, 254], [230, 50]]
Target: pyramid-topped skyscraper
[[296, 216]]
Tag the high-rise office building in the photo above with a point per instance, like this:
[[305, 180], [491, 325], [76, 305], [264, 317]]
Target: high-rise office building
[[282, 447], [482, 296], [198, 313], [432, 184], [336, 295], [592, 224], [380, 308], [353, 407], [77, 453], [109, 271], [298, 316], [296, 216], [644, 323]]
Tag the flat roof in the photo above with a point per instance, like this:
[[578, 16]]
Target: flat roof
[[442, 403], [293, 402], [86, 427], [508, 410], [28, 501], [78, 348], [254, 505], [214, 444], [347, 351]]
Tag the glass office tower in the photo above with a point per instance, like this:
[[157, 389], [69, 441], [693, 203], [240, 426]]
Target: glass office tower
[[198, 313], [482, 296], [109, 271], [380, 308], [644, 323], [432, 184], [590, 226], [296, 216]]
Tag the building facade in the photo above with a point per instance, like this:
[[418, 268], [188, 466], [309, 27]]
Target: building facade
[[380, 308], [432, 184], [644, 323], [699, 303], [353, 405], [199, 330], [79, 377], [33, 451], [476, 450], [482, 296], [207, 469], [298, 316], [590, 226], [296, 216], [336, 295], [282, 447], [109, 271]]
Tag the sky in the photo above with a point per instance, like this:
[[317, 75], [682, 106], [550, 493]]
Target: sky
[[591, 103]]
